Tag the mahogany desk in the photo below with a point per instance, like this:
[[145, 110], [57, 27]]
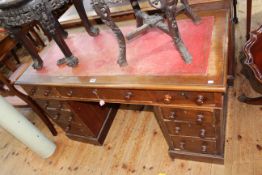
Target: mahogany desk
[[189, 101]]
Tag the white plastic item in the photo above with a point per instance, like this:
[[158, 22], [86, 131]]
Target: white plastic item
[[22, 129]]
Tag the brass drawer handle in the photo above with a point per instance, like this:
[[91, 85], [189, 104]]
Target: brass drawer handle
[[47, 92], [70, 118], [200, 118], [33, 91], [67, 128], [200, 100], [56, 116], [46, 105], [172, 115], [204, 148], [167, 99], [69, 93], [177, 130], [128, 95], [202, 133], [182, 145]]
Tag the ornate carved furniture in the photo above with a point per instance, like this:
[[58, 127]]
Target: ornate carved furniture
[[169, 7], [189, 107], [252, 66], [7, 88]]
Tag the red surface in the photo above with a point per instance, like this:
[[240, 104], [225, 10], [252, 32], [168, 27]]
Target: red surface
[[150, 54]]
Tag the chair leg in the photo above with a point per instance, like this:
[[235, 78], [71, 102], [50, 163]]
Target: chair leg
[[15, 56], [35, 107], [253, 101], [235, 18]]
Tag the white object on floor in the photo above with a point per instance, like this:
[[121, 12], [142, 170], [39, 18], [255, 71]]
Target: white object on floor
[[22, 129]]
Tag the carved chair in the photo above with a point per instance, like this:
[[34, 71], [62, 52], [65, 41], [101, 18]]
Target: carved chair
[[252, 66], [10, 91]]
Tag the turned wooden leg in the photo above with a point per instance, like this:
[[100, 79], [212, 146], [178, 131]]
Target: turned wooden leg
[[170, 11], [136, 7], [235, 18], [249, 13], [29, 46], [60, 29], [103, 11], [253, 101], [91, 30]]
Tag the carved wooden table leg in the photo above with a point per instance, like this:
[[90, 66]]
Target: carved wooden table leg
[[170, 10], [60, 29], [91, 30], [27, 43], [103, 11], [49, 24], [196, 19], [252, 101], [136, 7]]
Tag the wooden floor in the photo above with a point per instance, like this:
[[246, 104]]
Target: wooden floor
[[135, 144]]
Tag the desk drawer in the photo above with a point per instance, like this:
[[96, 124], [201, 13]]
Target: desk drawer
[[188, 129], [198, 117], [144, 96], [194, 145]]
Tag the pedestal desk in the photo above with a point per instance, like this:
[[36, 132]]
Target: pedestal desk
[[189, 101]]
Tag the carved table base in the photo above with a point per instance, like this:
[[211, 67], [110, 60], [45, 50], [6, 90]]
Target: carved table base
[[145, 21]]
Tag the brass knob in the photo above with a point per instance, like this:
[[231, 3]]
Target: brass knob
[[128, 95], [70, 118], [202, 133], [56, 116], [33, 91], [47, 92], [60, 105], [70, 93], [167, 99], [177, 130], [67, 128], [182, 145], [204, 148], [200, 118], [46, 104], [172, 115], [200, 100]]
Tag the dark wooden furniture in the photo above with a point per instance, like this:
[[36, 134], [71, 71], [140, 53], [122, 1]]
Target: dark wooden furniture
[[7, 88], [252, 65], [249, 14], [190, 109]]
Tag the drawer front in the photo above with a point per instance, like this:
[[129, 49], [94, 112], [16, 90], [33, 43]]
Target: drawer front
[[144, 96], [188, 129], [198, 117], [41, 91], [53, 105], [74, 129], [194, 145]]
